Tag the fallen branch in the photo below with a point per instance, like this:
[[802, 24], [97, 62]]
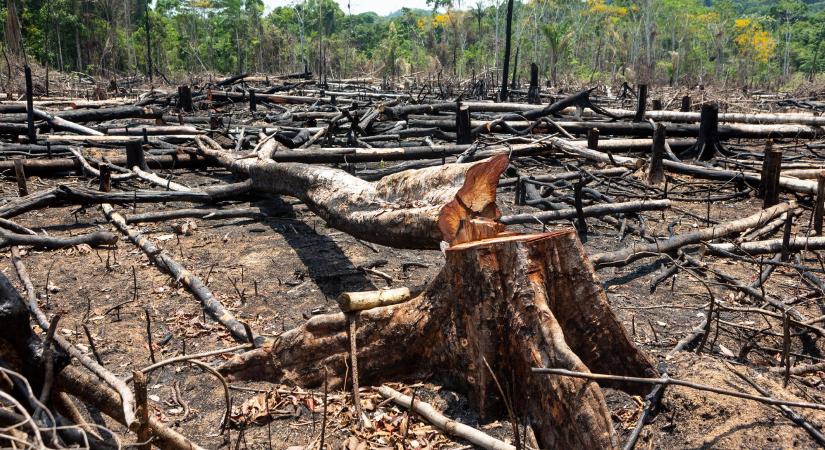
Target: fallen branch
[[167, 264], [636, 252], [203, 214], [95, 239], [160, 182], [127, 411], [449, 426], [677, 382], [588, 211], [786, 410], [795, 244], [89, 390]]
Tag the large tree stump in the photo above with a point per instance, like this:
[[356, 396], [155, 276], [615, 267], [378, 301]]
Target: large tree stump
[[512, 301]]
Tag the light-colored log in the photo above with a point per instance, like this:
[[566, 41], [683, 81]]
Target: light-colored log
[[443, 423], [360, 301]]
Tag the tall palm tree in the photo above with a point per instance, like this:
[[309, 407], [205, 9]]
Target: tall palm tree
[[558, 37]]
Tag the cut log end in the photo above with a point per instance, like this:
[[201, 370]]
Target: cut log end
[[473, 214]]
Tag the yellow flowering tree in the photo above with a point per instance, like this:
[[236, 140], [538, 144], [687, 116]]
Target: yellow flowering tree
[[755, 45]]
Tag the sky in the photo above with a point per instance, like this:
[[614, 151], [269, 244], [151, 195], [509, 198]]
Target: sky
[[382, 7]]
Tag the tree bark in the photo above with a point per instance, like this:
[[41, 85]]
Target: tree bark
[[504, 95], [514, 302], [96, 239], [400, 210], [627, 128], [636, 252], [63, 195]]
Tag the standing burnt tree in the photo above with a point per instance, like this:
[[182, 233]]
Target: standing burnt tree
[[504, 94]]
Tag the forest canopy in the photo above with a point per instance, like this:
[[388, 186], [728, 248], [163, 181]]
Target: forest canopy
[[656, 41]]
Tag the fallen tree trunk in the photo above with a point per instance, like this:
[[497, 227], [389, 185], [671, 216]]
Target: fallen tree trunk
[[611, 172], [572, 148], [397, 112], [64, 124], [400, 210], [272, 98], [154, 131], [354, 155], [118, 140], [630, 128], [54, 167], [588, 211], [63, 195], [795, 244], [95, 239], [636, 251], [511, 302], [99, 114]]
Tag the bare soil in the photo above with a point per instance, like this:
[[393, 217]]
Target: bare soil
[[276, 273]]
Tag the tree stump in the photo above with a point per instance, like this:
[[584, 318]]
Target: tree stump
[[641, 106], [533, 94], [708, 143], [514, 302]]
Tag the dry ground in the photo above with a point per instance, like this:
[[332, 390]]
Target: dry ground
[[275, 273]]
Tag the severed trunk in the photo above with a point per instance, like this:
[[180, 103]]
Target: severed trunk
[[514, 302], [400, 210]]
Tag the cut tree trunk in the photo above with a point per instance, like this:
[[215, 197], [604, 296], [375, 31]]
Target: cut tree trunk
[[513, 302], [728, 131], [400, 210], [399, 112]]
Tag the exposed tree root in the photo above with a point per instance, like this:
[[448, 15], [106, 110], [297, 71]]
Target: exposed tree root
[[516, 302]]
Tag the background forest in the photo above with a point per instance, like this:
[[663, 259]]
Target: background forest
[[742, 42]]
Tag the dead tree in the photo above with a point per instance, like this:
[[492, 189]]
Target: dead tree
[[533, 96], [642, 104], [708, 143], [148, 25], [514, 80], [504, 94], [400, 210], [656, 169]]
